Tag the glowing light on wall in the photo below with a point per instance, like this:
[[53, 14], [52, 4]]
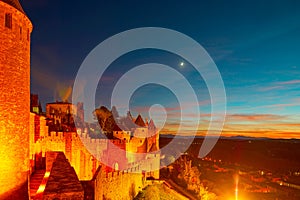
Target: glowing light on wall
[[43, 184], [41, 189], [47, 174], [236, 187]]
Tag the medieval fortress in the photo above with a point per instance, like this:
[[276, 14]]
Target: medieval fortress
[[134, 151], [73, 164]]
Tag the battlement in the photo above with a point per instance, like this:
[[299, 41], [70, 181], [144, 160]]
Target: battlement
[[86, 154], [126, 184]]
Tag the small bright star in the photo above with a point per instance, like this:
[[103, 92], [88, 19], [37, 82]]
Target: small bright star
[[181, 64]]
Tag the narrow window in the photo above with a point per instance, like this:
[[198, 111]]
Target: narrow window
[[28, 36], [8, 20], [20, 32]]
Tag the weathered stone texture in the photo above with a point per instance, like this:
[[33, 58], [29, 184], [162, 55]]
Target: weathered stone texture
[[117, 185], [14, 102], [72, 145]]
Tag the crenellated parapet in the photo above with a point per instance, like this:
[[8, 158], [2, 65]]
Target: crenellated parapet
[[117, 185], [134, 154]]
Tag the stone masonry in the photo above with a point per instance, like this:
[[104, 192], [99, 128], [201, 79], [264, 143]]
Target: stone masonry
[[15, 30]]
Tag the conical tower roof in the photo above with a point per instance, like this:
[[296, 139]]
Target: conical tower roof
[[14, 3], [151, 124], [139, 121]]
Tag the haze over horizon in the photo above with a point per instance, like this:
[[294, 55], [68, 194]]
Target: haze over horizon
[[254, 44]]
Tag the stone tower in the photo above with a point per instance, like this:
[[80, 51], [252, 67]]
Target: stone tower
[[15, 30]]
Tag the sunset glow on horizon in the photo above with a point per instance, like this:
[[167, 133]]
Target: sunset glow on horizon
[[149, 100], [257, 58]]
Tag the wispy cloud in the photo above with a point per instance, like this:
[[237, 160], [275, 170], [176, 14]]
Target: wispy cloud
[[175, 111], [46, 76], [289, 82], [281, 105], [278, 85], [254, 117], [264, 89]]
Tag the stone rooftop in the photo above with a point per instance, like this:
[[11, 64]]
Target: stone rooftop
[[63, 182], [14, 3]]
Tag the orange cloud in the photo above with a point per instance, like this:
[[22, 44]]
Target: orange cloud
[[256, 125], [254, 117]]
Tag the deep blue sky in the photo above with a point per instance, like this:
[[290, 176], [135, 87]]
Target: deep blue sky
[[255, 44]]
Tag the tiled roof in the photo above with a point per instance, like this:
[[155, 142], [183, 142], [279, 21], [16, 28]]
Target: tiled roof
[[14, 3]]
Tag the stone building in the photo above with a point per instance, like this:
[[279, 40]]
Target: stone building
[[35, 104], [86, 154], [15, 31], [61, 112], [62, 115], [123, 162]]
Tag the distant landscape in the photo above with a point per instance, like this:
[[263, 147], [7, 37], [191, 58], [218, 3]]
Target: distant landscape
[[267, 168]]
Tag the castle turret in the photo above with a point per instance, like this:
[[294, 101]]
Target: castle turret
[[15, 30]]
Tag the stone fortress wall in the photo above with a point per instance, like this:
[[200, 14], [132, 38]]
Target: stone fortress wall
[[85, 154], [118, 185], [71, 145], [108, 184], [113, 185], [25, 138]]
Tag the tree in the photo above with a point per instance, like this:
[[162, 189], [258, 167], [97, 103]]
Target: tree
[[105, 119], [204, 194]]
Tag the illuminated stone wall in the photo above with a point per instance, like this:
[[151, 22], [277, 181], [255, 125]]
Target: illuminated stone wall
[[14, 102], [85, 154], [122, 135], [86, 161], [71, 145], [118, 185]]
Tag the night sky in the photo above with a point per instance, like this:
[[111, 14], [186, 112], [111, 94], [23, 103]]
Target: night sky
[[255, 45]]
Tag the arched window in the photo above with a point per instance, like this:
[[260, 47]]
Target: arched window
[[116, 166]]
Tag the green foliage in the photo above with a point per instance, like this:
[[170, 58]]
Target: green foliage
[[187, 175], [204, 194], [107, 120]]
